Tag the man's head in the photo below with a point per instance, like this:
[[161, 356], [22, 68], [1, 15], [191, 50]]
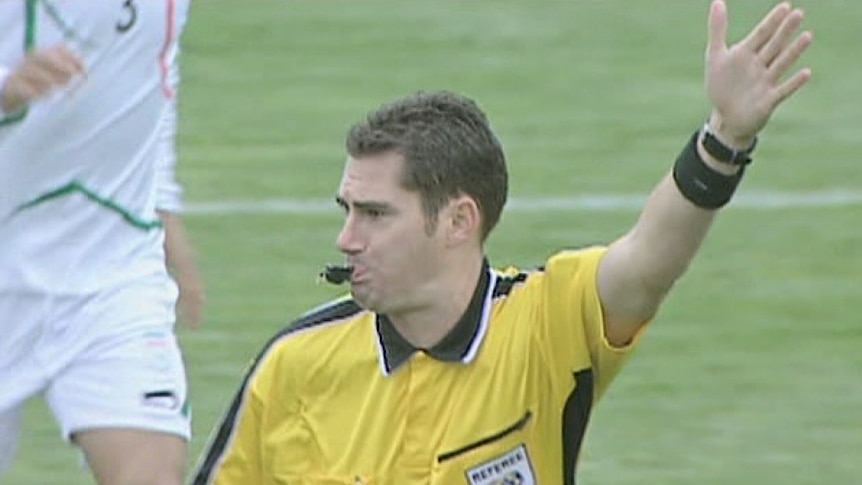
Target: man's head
[[423, 186], [448, 148]]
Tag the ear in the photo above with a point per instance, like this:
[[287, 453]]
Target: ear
[[464, 221]]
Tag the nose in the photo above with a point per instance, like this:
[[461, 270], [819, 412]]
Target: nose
[[348, 241]]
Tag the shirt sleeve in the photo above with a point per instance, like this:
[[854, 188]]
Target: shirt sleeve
[[262, 412], [169, 191], [233, 456], [169, 195], [574, 317], [242, 461]]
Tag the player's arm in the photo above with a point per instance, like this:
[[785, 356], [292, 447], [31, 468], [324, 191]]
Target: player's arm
[[182, 263], [40, 73], [180, 254], [744, 83]]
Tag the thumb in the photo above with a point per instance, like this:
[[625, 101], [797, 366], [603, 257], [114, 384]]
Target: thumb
[[717, 27]]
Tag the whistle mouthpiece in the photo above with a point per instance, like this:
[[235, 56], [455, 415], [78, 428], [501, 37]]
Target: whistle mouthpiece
[[336, 274]]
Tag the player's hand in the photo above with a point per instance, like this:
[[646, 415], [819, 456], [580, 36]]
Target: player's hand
[[42, 72], [746, 81]]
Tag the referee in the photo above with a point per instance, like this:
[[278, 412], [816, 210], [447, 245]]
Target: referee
[[439, 369]]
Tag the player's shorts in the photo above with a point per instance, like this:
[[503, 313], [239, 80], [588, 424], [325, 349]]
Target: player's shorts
[[108, 360]]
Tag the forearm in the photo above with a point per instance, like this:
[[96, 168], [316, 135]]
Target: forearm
[[672, 224], [661, 245], [642, 266], [178, 249], [181, 260]]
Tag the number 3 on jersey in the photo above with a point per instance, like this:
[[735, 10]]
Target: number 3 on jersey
[[130, 16]]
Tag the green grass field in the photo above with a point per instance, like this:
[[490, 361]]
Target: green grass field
[[751, 374]]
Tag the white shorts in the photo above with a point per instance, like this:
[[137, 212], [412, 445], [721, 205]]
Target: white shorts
[[108, 360]]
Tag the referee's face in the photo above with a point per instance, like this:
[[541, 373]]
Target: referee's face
[[385, 237]]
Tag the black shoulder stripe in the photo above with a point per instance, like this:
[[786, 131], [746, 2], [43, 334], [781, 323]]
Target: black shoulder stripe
[[505, 283], [329, 312]]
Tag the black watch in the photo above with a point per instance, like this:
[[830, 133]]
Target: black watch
[[724, 153]]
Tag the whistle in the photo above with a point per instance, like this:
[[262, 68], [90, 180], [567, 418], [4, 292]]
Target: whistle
[[336, 274]]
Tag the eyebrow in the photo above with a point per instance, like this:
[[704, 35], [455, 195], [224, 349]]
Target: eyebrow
[[363, 205]]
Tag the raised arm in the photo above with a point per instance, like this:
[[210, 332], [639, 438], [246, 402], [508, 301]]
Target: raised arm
[[745, 84]]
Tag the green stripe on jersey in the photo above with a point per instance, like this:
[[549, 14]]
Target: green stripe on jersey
[[77, 187]]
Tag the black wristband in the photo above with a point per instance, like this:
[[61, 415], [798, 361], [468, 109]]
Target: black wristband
[[700, 184]]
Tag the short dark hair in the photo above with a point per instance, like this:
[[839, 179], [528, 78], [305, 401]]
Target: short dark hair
[[448, 147]]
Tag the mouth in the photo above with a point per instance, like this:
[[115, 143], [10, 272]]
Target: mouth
[[357, 275]]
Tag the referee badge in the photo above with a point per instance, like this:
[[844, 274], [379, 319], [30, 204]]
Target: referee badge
[[512, 468]]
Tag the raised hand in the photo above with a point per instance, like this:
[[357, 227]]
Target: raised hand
[[746, 81], [42, 72]]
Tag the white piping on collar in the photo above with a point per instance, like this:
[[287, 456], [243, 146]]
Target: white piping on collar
[[475, 344], [484, 322]]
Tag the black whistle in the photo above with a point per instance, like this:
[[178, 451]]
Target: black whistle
[[336, 274]]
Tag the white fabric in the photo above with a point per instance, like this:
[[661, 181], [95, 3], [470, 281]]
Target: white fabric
[[98, 363], [110, 133], [86, 302]]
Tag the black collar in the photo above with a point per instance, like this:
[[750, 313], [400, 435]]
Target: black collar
[[461, 343]]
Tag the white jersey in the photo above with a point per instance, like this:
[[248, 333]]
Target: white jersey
[[79, 170]]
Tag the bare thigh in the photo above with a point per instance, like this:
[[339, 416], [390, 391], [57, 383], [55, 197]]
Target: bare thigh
[[133, 457]]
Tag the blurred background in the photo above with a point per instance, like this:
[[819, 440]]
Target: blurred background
[[751, 374]]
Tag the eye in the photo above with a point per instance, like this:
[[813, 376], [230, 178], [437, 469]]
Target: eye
[[375, 213]]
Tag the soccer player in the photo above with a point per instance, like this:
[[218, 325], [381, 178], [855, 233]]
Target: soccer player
[[87, 121], [439, 369]]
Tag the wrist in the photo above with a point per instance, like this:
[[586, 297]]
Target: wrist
[[719, 166], [721, 149], [727, 136]]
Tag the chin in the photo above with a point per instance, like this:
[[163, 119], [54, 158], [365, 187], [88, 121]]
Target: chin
[[363, 300]]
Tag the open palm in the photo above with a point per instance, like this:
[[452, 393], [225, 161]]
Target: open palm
[[746, 81]]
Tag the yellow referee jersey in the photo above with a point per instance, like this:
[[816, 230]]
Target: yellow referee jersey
[[339, 397]]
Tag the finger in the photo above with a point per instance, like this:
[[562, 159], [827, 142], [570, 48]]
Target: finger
[[717, 26], [36, 81], [778, 42], [74, 62], [786, 89], [56, 75], [18, 92], [61, 64], [789, 56], [767, 27]]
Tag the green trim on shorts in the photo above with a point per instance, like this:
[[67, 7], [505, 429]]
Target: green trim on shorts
[[78, 187], [186, 409]]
